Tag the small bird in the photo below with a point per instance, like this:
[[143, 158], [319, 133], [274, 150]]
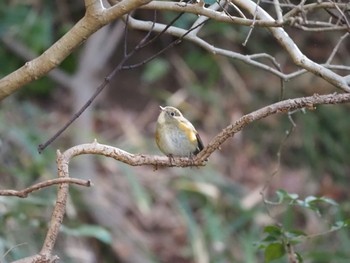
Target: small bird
[[175, 135]]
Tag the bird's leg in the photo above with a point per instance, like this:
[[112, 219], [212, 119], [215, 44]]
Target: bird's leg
[[171, 159]]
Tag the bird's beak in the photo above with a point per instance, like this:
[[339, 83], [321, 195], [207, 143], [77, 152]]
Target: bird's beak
[[161, 108]]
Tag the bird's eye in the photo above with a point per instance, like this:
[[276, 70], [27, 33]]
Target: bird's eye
[[172, 113]]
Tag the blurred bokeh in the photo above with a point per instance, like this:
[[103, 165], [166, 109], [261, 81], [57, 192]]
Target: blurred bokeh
[[214, 213]]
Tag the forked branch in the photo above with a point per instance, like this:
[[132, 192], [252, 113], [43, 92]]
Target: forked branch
[[201, 159]]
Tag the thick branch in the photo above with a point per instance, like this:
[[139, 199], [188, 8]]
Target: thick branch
[[249, 59], [54, 55], [26, 54], [288, 44]]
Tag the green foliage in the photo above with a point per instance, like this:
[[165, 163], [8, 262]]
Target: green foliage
[[274, 251], [93, 231], [140, 194], [310, 202], [23, 221], [216, 222], [277, 237], [35, 28], [322, 130]]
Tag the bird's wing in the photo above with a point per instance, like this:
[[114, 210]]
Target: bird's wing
[[200, 142], [192, 134]]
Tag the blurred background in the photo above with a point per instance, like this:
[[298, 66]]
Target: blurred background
[[214, 213]]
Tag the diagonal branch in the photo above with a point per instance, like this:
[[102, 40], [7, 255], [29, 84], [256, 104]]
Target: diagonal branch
[[145, 41], [54, 55], [201, 159], [294, 52], [284, 106]]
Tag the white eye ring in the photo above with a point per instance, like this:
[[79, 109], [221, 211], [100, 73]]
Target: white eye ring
[[172, 113]]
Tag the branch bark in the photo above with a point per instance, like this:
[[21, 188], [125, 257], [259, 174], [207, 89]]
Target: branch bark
[[24, 193], [94, 19]]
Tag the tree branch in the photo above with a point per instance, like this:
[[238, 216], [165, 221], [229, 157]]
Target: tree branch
[[201, 159], [24, 193], [288, 44], [54, 55], [284, 106]]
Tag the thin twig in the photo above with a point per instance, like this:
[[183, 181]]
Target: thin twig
[[172, 44], [24, 193], [12, 248], [335, 49], [268, 181], [144, 42], [278, 10], [253, 25]]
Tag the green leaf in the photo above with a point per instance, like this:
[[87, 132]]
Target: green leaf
[[328, 201], [273, 231], [340, 224], [313, 202], [283, 195], [97, 232], [274, 251]]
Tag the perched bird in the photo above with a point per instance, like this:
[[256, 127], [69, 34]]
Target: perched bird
[[175, 135]]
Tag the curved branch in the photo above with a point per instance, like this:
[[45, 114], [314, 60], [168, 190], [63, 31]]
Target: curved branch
[[223, 17], [94, 19], [201, 159], [248, 59], [264, 19], [24, 193], [284, 106]]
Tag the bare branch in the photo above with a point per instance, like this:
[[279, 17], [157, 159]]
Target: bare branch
[[207, 12], [284, 106], [288, 44], [201, 159], [57, 214], [175, 31], [252, 25], [145, 41], [98, 16], [24, 193], [55, 54], [249, 59], [38, 259], [278, 10], [93, 6], [336, 48]]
